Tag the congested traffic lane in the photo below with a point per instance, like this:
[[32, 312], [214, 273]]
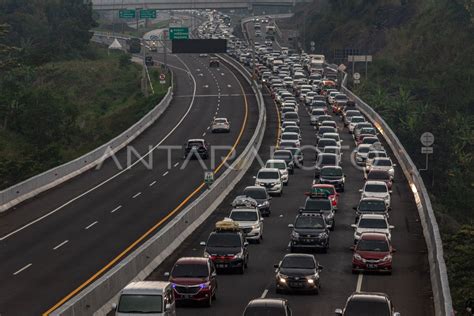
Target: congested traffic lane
[[48, 259]]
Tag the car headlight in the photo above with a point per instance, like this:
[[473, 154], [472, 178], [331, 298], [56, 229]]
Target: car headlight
[[206, 254], [295, 234], [358, 257], [256, 226], [282, 278], [330, 215], [323, 235], [239, 255], [266, 204], [387, 258]]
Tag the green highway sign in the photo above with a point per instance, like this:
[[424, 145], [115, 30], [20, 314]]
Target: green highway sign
[[148, 14], [126, 14], [179, 33]]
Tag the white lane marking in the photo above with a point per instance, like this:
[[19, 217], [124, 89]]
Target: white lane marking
[[136, 195], [208, 127], [359, 282], [23, 269], [116, 209], [229, 86], [216, 113], [118, 173], [164, 174], [222, 73], [200, 74], [264, 293], [206, 86], [61, 244], [90, 225], [203, 134], [176, 164]]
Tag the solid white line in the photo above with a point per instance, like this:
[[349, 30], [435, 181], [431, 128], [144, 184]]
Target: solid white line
[[203, 134], [61, 244], [152, 184], [208, 127], [23, 269], [118, 173], [359, 282], [229, 86], [136, 195], [116, 209], [90, 225], [176, 164], [264, 293], [164, 174]]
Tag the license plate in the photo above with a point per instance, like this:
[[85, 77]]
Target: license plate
[[222, 265], [187, 296], [308, 240], [371, 266], [296, 284]]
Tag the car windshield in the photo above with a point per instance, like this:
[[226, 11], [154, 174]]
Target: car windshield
[[367, 308], [220, 121], [357, 119], [382, 163], [363, 149], [277, 165], [289, 136], [376, 154], [317, 205], [318, 112], [268, 175], [372, 245], [378, 188], [140, 304], [244, 216], [224, 240], [256, 193], [372, 223], [192, 270], [291, 115], [378, 176], [370, 140], [372, 205], [326, 129], [309, 222], [326, 142], [331, 172], [332, 136], [292, 129], [265, 311], [194, 144], [301, 262], [327, 160]]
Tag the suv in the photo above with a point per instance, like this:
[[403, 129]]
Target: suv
[[368, 303], [281, 166], [194, 278], [309, 232], [287, 156], [298, 272], [332, 175], [320, 204], [249, 220], [268, 306], [196, 147], [213, 62], [372, 223], [371, 206], [260, 195], [270, 179]]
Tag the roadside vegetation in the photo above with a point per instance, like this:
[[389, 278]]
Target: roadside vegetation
[[60, 95], [421, 80]]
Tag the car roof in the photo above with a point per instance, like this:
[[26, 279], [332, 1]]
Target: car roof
[[145, 287], [289, 133], [332, 167], [192, 260], [373, 216], [275, 161], [259, 302], [271, 169], [374, 182], [195, 140], [365, 296], [373, 236]]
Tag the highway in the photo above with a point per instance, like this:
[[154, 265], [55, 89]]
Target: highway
[[61, 240], [409, 286]]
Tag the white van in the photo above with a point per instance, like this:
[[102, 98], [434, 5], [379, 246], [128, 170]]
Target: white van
[[153, 298]]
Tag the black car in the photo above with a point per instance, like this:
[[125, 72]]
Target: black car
[[213, 62], [371, 206], [298, 272], [321, 205], [324, 159], [309, 232], [196, 147], [262, 197], [332, 175], [323, 142], [287, 156], [368, 303], [227, 248], [268, 306]]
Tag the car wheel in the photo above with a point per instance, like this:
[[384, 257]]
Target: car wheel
[[316, 291], [342, 189], [325, 249], [278, 291], [242, 269], [286, 183], [281, 193], [333, 226], [214, 296], [257, 241], [208, 302]]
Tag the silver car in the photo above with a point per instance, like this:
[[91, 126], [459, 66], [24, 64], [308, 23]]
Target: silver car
[[220, 124]]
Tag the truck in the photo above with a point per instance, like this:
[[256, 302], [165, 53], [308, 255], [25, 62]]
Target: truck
[[316, 63]]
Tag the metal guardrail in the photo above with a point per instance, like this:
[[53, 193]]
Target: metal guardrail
[[97, 298], [438, 274]]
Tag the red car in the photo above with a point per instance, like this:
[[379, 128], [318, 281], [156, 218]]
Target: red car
[[373, 252], [380, 175], [330, 190], [361, 137], [194, 279]]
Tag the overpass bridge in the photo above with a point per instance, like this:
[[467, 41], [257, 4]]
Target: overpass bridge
[[190, 4]]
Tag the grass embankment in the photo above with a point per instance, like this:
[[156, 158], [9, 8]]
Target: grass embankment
[[126, 30], [420, 81], [70, 108]]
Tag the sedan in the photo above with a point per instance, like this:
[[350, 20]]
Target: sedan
[[384, 164], [372, 223], [298, 272]]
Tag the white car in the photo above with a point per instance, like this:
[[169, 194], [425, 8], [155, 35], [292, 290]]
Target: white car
[[281, 166], [354, 121], [383, 164], [334, 136], [333, 150], [372, 223], [315, 114], [292, 136], [374, 154], [376, 189], [361, 153], [331, 96], [220, 124], [270, 179], [250, 221]]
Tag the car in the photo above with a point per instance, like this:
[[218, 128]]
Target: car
[[322, 161], [298, 272], [285, 124], [249, 220], [268, 306], [213, 62], [354, 121], [334, 136], [323, 118], [322, 205], [329, 190], [384, 164], [323, 142], [380, 175], [325, 129], [194, 279], [270, 179], [373, 223], [292, 129], [220, 124], [374, 153], [368, 303], [146, 297], [328, 124], [288, 144], [371, 206], [298, 156], [377, 189], [227, 247], [331, 96], [292, 137], [334, 150], [332, 175], [315, 113], [358, 127], [287, 156], [281, 166], [261, 196], [361, 153], [196, 148], [373, 252], [348, 114], [309, 231], [291, 116]]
